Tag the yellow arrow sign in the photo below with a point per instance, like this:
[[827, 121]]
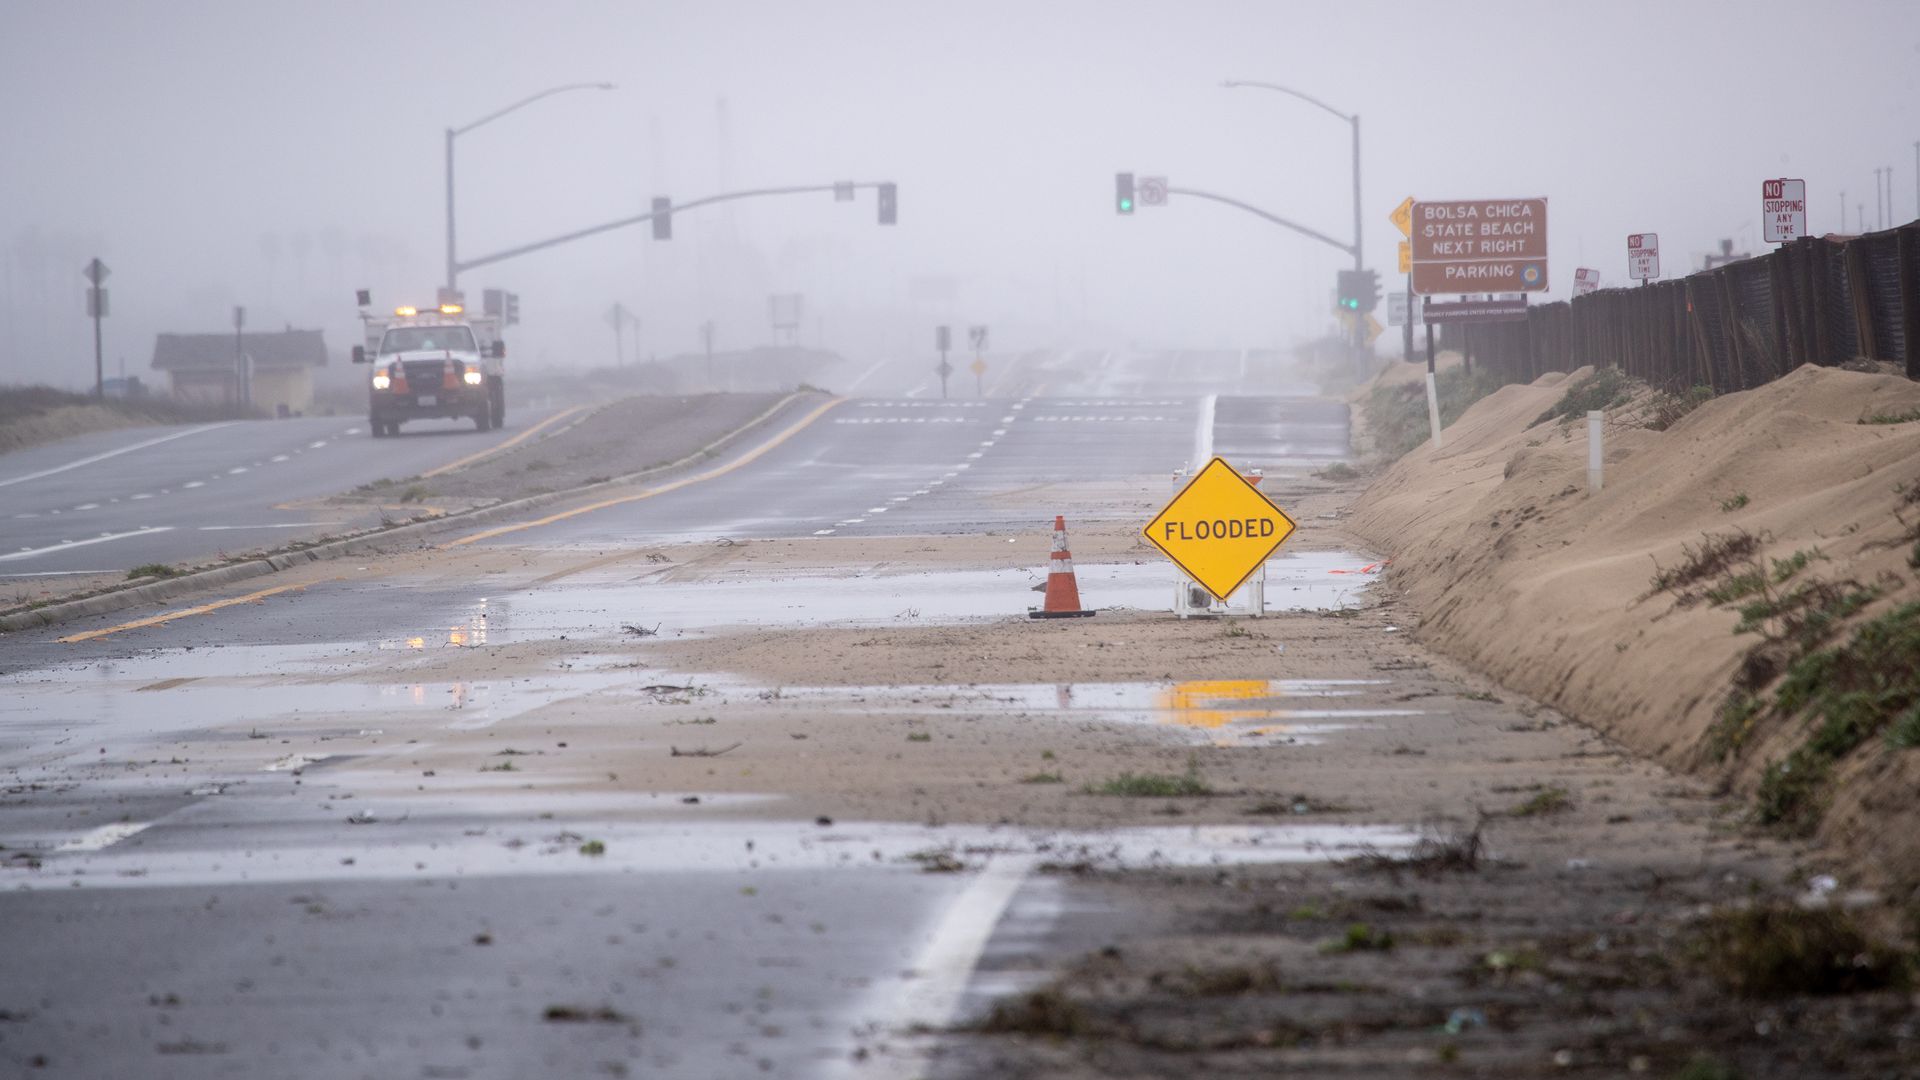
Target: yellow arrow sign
[[1402, 217], [1374, 329], [978, 367], [1406, 257], [1219, 529]]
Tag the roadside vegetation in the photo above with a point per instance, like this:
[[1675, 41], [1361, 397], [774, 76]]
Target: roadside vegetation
[[1396, 415], [35, 414], [1605, 388], [1815, 662]]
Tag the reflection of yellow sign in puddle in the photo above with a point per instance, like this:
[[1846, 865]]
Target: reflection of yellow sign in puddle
[[1199, 703], [459, 637]]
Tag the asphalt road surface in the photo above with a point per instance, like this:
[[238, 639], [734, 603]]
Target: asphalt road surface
[[171, 905], [117, 499]]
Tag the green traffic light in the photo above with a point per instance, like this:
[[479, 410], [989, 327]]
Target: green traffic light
[[1126, 204]]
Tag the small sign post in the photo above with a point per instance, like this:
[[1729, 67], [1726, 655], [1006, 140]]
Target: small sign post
[[96, 272], [1643, 256], [977, 337], [1783, 209], [1585, 281], [943, 340], [1399, 306]]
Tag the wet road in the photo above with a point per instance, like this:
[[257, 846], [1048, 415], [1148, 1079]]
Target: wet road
[[186, 897], [118, 499]]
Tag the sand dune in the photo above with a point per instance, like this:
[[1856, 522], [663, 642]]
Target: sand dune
[[1522, 573]]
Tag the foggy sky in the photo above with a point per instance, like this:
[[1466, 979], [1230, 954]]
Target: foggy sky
[[280, 155]]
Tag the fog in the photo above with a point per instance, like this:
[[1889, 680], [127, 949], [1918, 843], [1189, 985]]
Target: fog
[[279, 156]]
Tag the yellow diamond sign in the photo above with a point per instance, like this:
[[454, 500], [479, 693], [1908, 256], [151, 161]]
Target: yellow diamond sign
[[1402, 217], [1219, 529]]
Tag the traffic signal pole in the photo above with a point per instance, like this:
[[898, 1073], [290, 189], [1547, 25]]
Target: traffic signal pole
[[1353, 121], [1359, 324]]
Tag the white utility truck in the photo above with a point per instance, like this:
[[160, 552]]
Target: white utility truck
[[434, 363]]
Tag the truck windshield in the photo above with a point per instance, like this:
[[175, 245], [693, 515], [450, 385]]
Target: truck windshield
[[427, 339]]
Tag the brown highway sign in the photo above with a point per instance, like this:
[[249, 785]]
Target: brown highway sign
[[1492, 275], [1479, 245]]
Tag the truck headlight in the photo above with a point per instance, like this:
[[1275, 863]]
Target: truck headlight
[[474, 378], [382, 381]]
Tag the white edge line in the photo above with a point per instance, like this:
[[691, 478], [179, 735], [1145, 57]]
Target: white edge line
[[1203, 433], [115, 453], [938, 978]]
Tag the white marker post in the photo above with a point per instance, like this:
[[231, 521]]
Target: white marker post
[[1433, 407], [1594, 459]]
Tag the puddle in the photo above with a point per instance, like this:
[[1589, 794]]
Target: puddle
[[599, 607], [1224, 711], [520, 847], [83, 709]]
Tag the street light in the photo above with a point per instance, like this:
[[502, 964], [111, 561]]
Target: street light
[[452, 264], [1352, 119]]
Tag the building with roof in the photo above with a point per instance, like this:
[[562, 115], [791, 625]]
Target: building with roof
[[206, 367]]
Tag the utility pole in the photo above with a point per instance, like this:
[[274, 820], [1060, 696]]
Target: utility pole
[[1879, 219], [242, 393], [706, 335], [1916, 178], [1843, 212], [453, 266]]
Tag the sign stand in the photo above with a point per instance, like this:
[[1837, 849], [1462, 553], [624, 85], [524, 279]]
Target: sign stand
[[1191, 600]]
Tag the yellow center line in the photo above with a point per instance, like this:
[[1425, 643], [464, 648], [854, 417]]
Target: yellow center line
[[516, 440], [744, 459], [169, 616]]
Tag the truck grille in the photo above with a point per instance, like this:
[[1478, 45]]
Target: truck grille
[[424, 373]]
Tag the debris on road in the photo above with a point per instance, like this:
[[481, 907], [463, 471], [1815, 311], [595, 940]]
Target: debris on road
[[701, 751]]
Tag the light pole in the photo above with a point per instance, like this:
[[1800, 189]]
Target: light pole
[[453, 271], [1353, 119]]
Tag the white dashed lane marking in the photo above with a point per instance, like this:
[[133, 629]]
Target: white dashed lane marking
[[104, 836], [28, 553]]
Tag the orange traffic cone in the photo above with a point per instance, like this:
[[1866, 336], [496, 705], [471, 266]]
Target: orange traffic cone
[[1063, 589]]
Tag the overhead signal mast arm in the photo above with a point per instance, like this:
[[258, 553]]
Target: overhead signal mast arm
[[639, 219], [1259, 213]]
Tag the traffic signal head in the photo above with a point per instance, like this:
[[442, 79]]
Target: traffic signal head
[[662, 218], [511, 309], [889, 203], [1359, 290], [1123, 193], [493, 301]]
